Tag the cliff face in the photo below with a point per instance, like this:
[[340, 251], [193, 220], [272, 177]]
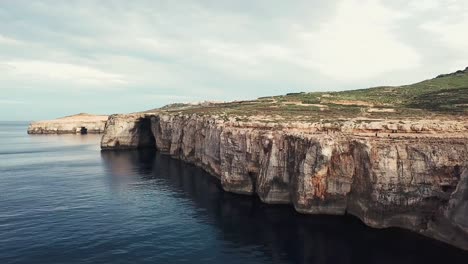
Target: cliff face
[[127, 132], [75, 124], [412, 175]]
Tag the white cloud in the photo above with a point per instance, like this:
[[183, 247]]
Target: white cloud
[[451, 31], [358, 42], [11, 102], [4, 40], [425, 5], [62, 72], [223, 50]]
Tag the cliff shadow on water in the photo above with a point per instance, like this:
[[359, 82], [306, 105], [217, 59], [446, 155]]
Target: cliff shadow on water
[[277, 230]]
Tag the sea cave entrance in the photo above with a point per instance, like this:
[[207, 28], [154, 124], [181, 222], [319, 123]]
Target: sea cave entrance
[[83, 131], [145, 134]]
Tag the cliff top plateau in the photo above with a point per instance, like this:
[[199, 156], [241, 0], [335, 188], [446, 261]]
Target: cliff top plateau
[[78, 117], [442, 98]]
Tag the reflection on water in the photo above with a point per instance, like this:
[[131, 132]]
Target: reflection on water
[[275, 231]]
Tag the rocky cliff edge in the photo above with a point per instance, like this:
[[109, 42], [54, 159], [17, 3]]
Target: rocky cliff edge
[[389, 173]]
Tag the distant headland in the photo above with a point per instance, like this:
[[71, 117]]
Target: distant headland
[[82, 123]]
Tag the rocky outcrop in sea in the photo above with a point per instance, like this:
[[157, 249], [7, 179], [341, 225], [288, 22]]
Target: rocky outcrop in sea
[[75, 124]]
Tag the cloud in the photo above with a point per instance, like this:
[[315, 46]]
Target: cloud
[[424, 5], [11, 102], [359, 42], [62, 72], [139, 54], [8, 41], [451, 31]]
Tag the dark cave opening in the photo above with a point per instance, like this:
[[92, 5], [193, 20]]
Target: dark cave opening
[[253, 179], [447, 188], [145, 134], [83, 131]]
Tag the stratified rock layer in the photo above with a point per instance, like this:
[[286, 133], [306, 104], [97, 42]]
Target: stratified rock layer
[[412, 175], [75, 124]]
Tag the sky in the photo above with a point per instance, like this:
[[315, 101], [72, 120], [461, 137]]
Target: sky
[[59, 58]]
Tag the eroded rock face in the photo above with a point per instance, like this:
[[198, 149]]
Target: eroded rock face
[[75, 124], [127, 132], [417, 181]]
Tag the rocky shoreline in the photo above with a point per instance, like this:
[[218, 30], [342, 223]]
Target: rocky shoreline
[[402, 173]]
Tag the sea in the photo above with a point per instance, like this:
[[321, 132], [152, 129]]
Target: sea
[[62, 200]]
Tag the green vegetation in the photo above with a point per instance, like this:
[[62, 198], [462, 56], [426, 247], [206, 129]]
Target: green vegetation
[[440, 94], [443, 97]]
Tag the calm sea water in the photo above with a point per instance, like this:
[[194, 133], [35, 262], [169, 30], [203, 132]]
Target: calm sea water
[[63, 201]]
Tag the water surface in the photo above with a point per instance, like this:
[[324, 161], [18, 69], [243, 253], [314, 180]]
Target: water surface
[[63, 201]]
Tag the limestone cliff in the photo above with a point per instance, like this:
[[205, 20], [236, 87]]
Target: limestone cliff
[[75, 124], [389, 173]]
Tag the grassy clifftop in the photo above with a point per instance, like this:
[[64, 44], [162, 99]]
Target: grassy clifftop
[[445, 96], [447, 93]]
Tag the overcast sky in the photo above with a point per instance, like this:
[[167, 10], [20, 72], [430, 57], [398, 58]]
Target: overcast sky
[[63, 57]]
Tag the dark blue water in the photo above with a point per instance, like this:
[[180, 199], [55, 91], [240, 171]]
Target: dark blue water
[[63, 201]]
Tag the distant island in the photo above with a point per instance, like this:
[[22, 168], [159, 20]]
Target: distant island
[[75, 124]]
